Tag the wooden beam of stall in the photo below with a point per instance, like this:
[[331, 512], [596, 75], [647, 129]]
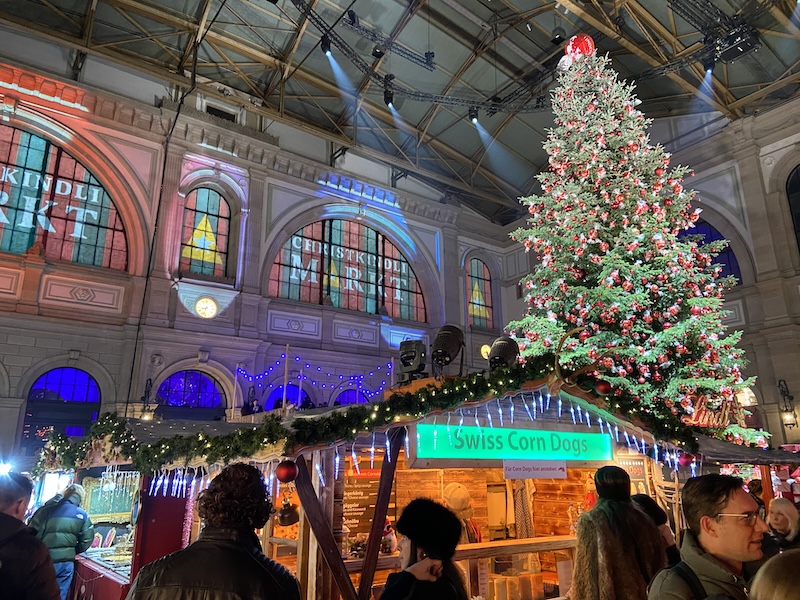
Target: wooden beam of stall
[[321, 527], [388, 469]]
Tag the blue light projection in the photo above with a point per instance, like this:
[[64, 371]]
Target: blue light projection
[[506, 165], [294, 395], [65, 384], [192, 389], [725, 259]]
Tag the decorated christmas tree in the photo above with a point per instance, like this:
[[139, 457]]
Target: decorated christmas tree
[[622, 294]]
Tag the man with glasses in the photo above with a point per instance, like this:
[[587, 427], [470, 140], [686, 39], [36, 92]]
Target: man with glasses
[[724, 532]]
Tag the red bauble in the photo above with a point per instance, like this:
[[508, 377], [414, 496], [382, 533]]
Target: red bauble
[[286, 471], [685, 459], [579, 44], [602, 387]]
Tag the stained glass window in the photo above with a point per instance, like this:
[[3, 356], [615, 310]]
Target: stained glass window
[[193, 389], [294, 395], [206, 223], [479, 294], [347, 265], [49, 198], [726, 259]]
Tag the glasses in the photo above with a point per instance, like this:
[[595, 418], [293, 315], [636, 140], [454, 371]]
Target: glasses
[[748, 517]]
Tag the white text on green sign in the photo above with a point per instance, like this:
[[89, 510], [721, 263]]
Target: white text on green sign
[[442, 441]]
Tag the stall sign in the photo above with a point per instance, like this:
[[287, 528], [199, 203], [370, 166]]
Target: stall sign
[[484, 443], [535, 469]]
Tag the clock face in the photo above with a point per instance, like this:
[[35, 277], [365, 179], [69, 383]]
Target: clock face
[[485, 350], [206, 307]]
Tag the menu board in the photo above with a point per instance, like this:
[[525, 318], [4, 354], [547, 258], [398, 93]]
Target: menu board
[[360, 493], [636, 469]]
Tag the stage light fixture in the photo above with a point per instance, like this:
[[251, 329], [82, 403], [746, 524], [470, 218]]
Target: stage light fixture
[[446, 345], [709, 63], [473, 114], [388, 97], [378, 51], [503, 353], [412, 361], [325, 44], [352, 18], [559, 35]]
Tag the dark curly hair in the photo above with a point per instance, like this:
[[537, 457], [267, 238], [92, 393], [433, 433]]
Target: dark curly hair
[[237, 498]]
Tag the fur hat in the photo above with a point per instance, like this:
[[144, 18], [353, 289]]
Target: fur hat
[[430, 526]]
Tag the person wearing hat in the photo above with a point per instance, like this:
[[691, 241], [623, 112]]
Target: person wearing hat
[[66, 530], [430, 535]]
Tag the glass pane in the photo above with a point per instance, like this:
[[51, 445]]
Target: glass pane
[[191, 389]]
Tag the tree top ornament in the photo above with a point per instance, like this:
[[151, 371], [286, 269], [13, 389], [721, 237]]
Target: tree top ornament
[[577, 45]]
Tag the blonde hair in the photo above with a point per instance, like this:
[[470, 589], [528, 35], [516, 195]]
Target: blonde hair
[[75, 490], [786, 508], [777, 579]]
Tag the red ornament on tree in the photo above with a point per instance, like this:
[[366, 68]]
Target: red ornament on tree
[[286, 471], [579, 44], [602, 387]]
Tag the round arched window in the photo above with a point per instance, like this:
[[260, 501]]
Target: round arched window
[[294, 395], [65, 384], [193, 389], [350, 397]]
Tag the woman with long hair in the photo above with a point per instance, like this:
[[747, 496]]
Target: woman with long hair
[[619, 548], [431, 533], [784, 528]]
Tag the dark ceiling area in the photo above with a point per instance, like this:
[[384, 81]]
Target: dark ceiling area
[[440, 62]]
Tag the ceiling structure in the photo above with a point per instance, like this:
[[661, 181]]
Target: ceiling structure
[[441, 61]]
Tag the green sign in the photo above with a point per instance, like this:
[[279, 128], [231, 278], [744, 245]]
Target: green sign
[[485, 443]]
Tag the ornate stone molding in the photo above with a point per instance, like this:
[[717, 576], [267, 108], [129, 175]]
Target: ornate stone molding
[[68, 292]]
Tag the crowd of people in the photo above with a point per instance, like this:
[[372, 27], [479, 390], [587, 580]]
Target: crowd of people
[[626, 549]]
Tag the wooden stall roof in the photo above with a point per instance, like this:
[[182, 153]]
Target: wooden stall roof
[[720, 451]]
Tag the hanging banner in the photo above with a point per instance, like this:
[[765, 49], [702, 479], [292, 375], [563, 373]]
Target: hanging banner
[[485, 443]]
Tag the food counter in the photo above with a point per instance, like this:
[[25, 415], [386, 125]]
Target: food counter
[[100, 579]]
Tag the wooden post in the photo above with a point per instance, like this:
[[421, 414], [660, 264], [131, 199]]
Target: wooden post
[[766, 485], [321, 527], [388, 469]]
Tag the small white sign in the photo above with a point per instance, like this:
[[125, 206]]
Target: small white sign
[[535, 469]]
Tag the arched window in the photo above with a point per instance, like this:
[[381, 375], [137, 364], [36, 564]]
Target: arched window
[[50, 199], [206, 227], [347, 265], [294, 395], [65, 399], [351, 397], [793, 193], [725, 259], [479, 295], [190, 389]]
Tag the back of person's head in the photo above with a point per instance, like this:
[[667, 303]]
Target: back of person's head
[[430, 526], [15, 493], [651, 508], [75, 491], [777, 578], [784, 507], [237, 498], [755, 487], [613, 483], [705, 496]]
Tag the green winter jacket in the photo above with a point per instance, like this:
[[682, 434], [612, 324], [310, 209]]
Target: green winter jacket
[[717, 580], [64, 527]]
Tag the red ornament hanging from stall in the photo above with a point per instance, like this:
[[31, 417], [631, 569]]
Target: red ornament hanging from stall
[[286, 471], [579, 44], [685, 459]]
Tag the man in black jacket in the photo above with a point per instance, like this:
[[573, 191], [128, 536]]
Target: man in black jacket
[[226, 562], [26, 571]]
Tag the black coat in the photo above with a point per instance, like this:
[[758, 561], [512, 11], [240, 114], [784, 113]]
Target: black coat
[[223, 564], [774, 543], [404, 586], [26, 570]]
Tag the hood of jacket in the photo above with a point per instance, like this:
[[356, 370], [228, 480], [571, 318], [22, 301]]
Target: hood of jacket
[[11, 526]]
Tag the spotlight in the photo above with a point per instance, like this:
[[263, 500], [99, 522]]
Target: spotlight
[[709, 63], [388, 97], [412, 361], [352, 17], [447, 345], [5, 469], [503, 353], [429, 57], [559, 35], [378, 51], [325, 44], [473, 114]]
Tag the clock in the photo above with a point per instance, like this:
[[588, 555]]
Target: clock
[[206, 307], [485, 350]]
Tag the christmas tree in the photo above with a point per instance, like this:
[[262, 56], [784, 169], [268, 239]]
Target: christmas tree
[[617, 294]]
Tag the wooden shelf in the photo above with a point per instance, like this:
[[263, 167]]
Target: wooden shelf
[[522, 546]]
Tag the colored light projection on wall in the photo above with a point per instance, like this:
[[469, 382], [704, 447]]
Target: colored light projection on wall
[[726, 258], [50, 199], [496, 443], [65, 385], [347, 265], [193, 389], [479, 292], [206, 223]]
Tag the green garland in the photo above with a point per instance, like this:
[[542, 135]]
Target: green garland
[[340, 425]]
